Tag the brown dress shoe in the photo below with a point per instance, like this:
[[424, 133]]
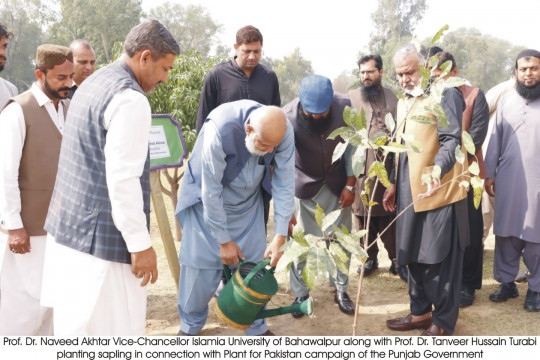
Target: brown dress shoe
[[407, 323], [267, 333], [435, 330]]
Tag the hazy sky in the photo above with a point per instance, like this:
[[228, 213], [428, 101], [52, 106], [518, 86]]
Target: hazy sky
[[331, 33]]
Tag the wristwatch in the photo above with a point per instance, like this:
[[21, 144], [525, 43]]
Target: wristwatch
[[350, 188]]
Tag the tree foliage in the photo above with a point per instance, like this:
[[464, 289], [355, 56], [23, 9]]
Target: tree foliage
[[101, 22], [290, 71], [25, 19], [394, 22], [192, 26], [180, 95], [482, 59]]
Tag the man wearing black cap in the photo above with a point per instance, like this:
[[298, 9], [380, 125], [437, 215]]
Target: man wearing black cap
[[314, 115], [31, 127], [512, 170]]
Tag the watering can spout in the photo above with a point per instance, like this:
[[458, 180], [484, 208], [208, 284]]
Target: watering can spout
[[305, 308]]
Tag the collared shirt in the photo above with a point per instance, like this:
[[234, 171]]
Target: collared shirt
[[227, 82], [12, 137], [126, 148], [7, 91]]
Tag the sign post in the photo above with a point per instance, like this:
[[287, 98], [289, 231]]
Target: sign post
[[167, 149]]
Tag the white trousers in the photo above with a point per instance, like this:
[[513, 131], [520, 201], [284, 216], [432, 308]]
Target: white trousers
[[92, 296], [20, 291]]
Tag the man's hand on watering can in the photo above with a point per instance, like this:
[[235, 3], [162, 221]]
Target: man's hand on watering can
[[230, 252], [272, 250]]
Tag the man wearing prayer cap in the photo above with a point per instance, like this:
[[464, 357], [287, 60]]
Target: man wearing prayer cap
[[315, 114], [31, 126], [512, 171]]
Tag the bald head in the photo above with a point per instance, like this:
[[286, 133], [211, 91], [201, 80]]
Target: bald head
[[266, 128]]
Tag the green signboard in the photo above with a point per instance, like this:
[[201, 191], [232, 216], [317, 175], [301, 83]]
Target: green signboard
[[166, 142]]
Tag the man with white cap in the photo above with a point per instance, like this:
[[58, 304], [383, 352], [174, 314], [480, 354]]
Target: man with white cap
[[512, 170], [31, 127], [315, 114]]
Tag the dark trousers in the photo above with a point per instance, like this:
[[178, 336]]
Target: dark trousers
[[473, 258], [436, 288], [376, 225]]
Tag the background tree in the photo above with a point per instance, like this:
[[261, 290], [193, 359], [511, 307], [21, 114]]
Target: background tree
[[179, 96], [290, 71], [343, 82], [191, 25], [101, 22], [482, 59], [394, 22], [25, 18]]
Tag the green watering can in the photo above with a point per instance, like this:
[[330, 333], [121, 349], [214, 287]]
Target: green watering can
[[247, 292]]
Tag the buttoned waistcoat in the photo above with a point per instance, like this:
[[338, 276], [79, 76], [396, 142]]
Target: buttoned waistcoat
[[80, 210]]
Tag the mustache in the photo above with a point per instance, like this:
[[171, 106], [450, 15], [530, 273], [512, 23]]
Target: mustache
[[64, 89], [3, 58]]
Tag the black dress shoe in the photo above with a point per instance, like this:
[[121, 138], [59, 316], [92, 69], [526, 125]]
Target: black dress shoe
[[369, 267], [344, 302], [401, 270], [505, 292], [299, 300], [532, 301], [406, 323], [466, 297]]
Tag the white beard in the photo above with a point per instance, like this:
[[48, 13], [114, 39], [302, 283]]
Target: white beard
[[250, 145]]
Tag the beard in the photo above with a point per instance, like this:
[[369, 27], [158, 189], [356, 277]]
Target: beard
[[250, 145], [311, 124], [528, 92], [55, 93], [372, 92]]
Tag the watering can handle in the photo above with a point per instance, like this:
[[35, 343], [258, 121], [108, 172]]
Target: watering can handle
[[227, 269], [256, 269]]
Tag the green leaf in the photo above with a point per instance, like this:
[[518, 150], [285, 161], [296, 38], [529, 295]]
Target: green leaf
[[290, 255], [477, 197], [350, 243], [452, 81], [344, 230], [439, 34], [298, 236], [340, 257], [373, 203], [377, 169], [313, 239], [364, 198], [360, 120], [425, 75], [436, 172], [315, 267], [424, 119], [348, 113], [464, 184], [330, 219], [367, 186], [390, 122], [394, 147], [476, 182], [319, 215], [469, 143], [446, 67], [415, 146], [441, 116], [344, 132], [331, 263], [433, 61], [379, 138], [359, 161], [460, 156], [339, 150], [474, 168]]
